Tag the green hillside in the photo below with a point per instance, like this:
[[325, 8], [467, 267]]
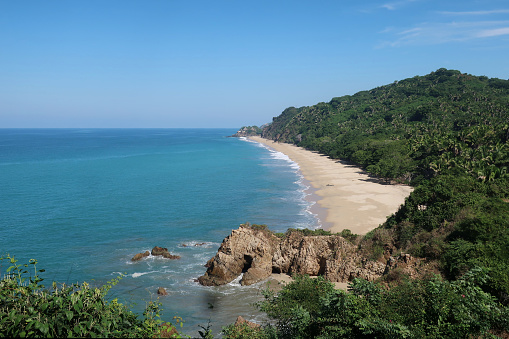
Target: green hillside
[[411, 129], [447, 134]]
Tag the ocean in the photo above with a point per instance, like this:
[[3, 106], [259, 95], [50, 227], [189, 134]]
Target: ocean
[[83, 202]]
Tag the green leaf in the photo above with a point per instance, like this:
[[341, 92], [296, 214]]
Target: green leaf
[[69, 315], [76, 307], [45, 329]]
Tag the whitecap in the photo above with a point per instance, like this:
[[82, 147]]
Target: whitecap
[[136, 275]]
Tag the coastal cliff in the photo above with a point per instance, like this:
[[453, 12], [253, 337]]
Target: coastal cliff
[[257, 253]]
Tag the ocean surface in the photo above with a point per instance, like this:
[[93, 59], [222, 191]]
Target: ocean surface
[[83, 202]]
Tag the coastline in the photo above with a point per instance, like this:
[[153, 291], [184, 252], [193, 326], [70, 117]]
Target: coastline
[[350, 198]]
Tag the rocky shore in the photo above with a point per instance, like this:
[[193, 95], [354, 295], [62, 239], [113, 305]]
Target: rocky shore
[[257, 253]]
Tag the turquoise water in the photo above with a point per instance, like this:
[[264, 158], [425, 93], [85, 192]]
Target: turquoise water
[[83, 202]]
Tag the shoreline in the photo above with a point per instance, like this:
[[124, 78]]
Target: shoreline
[[346, 197]]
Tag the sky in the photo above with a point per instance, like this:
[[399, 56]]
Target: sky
[[214, 64]]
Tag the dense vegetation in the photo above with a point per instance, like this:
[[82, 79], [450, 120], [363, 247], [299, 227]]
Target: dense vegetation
[[29, 309], [430, 308], [447, 134]]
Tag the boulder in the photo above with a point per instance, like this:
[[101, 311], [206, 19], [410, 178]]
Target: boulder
[[162, 251], [140, 256], [162, 291]]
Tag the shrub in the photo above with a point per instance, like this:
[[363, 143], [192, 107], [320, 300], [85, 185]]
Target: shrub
[[308, 232], [28, 309], [429, 308]]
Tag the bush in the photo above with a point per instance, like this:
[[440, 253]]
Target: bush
[[429, 308], [308, 232], [27, 309], [348, 235]]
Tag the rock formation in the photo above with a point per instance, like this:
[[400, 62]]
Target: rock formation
[[162, 291], [140, 256], [155, 251], [258, 253], [163, 252], [246, 250]]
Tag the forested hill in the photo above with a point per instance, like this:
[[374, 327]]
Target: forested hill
[[410, 128], [445, 133]]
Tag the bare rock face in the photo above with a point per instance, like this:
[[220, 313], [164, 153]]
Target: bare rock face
[[258, 253], [310, 255], [140, 256], [246, 250]]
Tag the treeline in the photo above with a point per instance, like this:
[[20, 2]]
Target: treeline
[[429, 308]]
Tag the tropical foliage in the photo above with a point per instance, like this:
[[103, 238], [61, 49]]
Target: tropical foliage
[[447, 134], [430, 308], [28, 309]]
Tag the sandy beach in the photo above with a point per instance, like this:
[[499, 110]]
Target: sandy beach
[[349, 197]]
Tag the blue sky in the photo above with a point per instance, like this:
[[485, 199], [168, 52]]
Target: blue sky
[[169, 63]]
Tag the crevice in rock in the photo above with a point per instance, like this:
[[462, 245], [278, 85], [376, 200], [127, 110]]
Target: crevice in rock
[[248, 261], [323, 265]]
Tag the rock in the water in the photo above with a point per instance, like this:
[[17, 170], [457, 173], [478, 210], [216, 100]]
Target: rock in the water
[[163, 251], [162, 291], [140, 256], [159, 250]]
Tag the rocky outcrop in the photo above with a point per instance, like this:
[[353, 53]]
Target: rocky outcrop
[[309, 254], [247, 131], [162, 291], [163, 251], [258, 253], [246, 250], [140, 256]]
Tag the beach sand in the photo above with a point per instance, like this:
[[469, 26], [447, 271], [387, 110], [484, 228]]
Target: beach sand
[[349, 197]]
